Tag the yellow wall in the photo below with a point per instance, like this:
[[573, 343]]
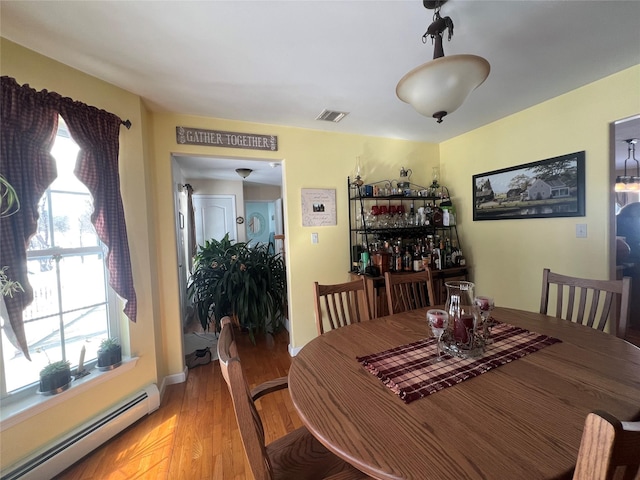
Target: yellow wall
[[311, 159], [508, 256], [42, 73]]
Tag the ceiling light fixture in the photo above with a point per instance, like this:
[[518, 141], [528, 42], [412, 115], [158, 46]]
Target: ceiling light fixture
[[438, 88], [629, 183], [244, 172]]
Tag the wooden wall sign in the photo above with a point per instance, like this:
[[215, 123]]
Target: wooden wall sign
[[218, 138]]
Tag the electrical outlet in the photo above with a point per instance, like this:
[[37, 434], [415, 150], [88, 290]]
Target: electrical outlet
[[314, 238], [581, 230]]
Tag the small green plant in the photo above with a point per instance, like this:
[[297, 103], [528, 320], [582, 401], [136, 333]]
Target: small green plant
[[109, 345], [7, 286], [55, 367], [9, 204], [109, 354], [55, 377]]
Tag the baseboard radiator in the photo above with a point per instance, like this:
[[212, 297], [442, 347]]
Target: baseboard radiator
[[71, 448]]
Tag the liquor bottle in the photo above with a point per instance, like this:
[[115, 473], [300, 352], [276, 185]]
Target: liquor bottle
[[428, 215], [412, 216], [437, 260], [417, 259], [461, 260], [455, 253], [397, 256], [425, 254], [437, 216], [407, 261], [447, 254]]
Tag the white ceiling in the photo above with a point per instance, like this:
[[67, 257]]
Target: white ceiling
[[265, 172], [283, 62]]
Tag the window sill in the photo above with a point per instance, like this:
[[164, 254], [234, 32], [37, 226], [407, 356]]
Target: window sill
[[13, 413]]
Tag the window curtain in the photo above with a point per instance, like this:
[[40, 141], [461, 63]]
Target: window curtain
[[28, 125], [97, 133]]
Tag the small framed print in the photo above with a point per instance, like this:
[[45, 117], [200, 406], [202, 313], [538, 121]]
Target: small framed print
[[318, 207]]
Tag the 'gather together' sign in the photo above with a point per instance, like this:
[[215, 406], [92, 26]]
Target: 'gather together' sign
[[218, 138]]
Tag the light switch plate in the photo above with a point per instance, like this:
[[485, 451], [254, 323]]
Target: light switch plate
[[314, 238], [581, 230]]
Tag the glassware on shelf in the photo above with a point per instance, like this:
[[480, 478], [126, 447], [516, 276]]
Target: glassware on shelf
[[461, 338], [438, 321]]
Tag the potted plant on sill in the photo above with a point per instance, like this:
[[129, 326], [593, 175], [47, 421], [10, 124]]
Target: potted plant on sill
[[55, 377], [109, 354], [245, 281]]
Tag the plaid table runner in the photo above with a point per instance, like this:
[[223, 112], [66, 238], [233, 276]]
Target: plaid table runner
[[410, 372]]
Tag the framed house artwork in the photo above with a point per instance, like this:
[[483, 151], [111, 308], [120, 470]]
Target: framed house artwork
[[547, 188]]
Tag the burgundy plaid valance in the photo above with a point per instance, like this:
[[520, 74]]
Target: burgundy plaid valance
[[28, 125]]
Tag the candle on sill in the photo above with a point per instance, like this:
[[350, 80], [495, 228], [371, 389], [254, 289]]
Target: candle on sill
[[81, 362]]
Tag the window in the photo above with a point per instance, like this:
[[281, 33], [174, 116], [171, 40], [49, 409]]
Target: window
[[73, 304]]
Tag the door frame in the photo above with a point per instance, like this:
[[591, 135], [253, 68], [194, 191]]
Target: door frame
[[178, 180]]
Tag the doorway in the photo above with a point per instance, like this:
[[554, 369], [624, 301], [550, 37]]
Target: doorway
[[220, 199], [625, 223]]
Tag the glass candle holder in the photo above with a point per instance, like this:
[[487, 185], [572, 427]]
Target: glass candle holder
[[462, 339]]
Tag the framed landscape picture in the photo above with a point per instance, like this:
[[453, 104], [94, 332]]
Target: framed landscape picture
[[547, 188]]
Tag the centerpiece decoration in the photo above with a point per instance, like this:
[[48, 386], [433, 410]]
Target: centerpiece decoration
[[463, 338]]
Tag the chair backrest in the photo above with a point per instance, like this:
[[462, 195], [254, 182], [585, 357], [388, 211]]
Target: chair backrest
[[408, 291], [249, 422], [589, 302], [608, 445], [344, 304]]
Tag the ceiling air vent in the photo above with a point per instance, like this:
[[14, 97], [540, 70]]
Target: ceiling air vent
[[331, 116]]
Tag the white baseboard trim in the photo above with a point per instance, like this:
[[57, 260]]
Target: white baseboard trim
[[294, 351], [173, 379]]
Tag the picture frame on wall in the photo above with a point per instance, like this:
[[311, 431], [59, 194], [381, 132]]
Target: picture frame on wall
[[548, 188], [318, 207]]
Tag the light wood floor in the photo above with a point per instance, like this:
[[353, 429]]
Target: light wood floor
[[194, 434]]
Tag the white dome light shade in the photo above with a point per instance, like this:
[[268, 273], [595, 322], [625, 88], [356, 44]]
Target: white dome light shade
[[244, 172], [440, 86]]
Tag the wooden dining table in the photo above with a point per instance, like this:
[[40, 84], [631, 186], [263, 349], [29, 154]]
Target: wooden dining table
[[521, 420]]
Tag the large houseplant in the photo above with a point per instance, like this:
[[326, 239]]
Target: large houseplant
[[240, 280]]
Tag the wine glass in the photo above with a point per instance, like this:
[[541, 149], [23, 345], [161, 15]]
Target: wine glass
[[485, 306], [438, 321]]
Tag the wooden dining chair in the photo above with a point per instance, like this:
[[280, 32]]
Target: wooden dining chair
[[589, 302], [408, 291], [341, 304], [296, 455], [609, 449]]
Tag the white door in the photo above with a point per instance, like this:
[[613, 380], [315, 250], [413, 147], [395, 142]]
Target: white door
[[215, 215]]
